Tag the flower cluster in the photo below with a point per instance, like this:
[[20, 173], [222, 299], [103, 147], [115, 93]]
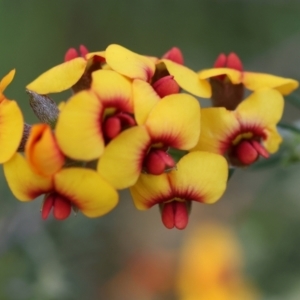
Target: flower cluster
[[134, 122]]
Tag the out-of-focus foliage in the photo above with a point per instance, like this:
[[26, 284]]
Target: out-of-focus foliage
[[113, 257]]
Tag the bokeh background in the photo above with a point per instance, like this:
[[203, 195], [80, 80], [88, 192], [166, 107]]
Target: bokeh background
[[128, 254]]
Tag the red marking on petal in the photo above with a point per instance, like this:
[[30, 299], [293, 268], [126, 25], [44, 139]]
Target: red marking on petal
[[254, 128], [166, 86], [47, 205], [234, 62], [98, 59], [35, 193], [149, 73], [71, 54], [190, 194], [175, 55], [246, 153], [260, 149], [220, 61], [83, 50], [175, 214], [118, 103], [62, 207]]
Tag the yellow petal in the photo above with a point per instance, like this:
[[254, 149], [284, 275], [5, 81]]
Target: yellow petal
[[6, 80], [234, 76], [200, 176], [144, 98], [149, 189], [218, 127], [78, 130], [175, 121], [11, 129], [188, 79], [86, 190], [272, 140], [23, 182], [255, 81], [59, 78], [42, 151], [128, 63], [113, 89], [154, 59], [121, 162], [262, 108]]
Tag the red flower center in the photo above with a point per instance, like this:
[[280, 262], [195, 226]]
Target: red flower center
[[247, 151], [231, 61], [175, 55], [157, 161], [175, 214], [115, 124], [60, 204], [166, 86], [73, 53]]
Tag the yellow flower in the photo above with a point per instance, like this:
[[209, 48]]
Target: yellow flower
[[245, 133], [173, 122], [64, 188], [232, 68], [228, 81], [91, 118], [199, 176], [136, 66], [81, 188]]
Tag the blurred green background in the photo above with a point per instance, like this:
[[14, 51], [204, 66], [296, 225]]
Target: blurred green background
[[128, 254]]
